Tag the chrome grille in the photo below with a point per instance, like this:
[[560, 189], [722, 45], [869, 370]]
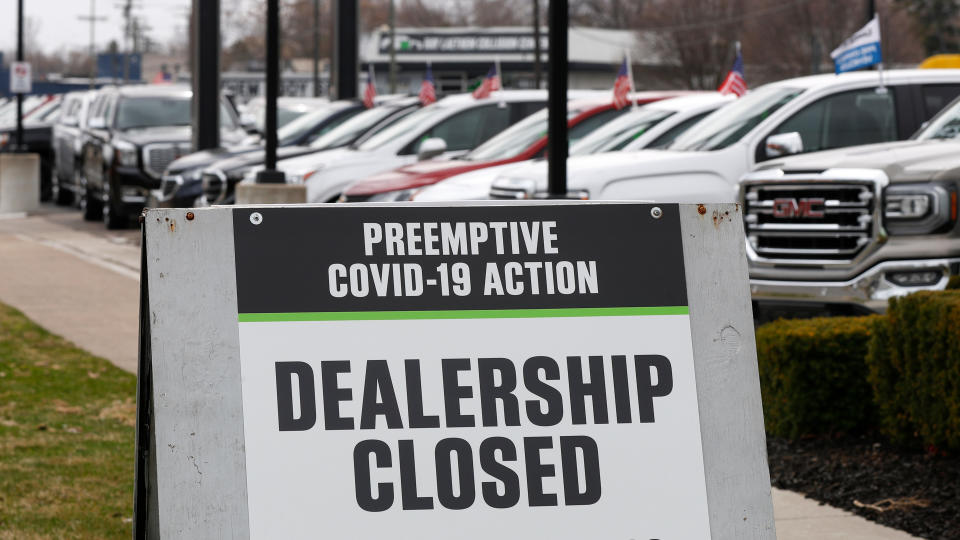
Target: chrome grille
[[806, 222], [169, 185], [214, 186], [156, 157]]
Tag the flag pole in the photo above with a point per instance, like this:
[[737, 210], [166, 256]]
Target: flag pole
[[882, 89]]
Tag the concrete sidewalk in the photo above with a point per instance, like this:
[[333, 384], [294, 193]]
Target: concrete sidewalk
[[80, 282]]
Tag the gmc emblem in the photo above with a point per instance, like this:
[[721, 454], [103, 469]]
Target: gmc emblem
[[794, 208]]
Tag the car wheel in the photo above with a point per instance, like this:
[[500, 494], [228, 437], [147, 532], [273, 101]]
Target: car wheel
[[113, 216], [79, 187], [61, 195]]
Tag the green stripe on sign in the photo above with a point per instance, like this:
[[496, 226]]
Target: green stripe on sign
[[463, 314]]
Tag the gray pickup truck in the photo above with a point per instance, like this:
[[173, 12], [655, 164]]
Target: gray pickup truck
[[842, 231]]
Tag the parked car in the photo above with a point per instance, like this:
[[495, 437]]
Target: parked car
[[219, 179], [289, 108], [181, 183], [787, 117], [842, 231], [134, 133], [650, 126], [524, 140], [39, 117], [448, 128], [68, 137]]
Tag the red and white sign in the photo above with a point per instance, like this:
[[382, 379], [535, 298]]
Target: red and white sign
[[20, 78]]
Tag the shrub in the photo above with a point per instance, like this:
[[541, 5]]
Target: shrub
[[954, 282], [813, 375], [914, 369]]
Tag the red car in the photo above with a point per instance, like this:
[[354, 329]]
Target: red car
[[525, 140]]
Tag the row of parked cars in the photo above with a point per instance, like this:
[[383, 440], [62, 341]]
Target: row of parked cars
[[847, 182]]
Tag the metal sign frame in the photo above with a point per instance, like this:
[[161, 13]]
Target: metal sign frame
[[191, 464]]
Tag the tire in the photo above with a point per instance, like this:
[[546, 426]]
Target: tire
[[113, 215], [61, 195], [91, 205]]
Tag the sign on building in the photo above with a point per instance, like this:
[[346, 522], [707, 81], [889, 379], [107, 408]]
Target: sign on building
[[559, 371], [21, 81]]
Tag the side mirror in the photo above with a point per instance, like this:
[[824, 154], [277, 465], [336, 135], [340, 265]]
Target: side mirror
[[784, 144], [97, 122], [431, 148]]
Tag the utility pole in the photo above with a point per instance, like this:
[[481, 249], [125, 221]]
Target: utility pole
[[393, 48], [93, 20], [316, 48], [270, 174], [559, 21], [537, 71]]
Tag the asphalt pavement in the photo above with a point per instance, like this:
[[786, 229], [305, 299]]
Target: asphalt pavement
[[81, 281]]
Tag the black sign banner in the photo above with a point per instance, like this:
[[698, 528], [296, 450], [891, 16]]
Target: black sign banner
[[413, 258]]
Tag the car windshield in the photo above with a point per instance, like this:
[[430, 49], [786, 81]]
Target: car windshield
[[731, 122], [518, 138], [945, 125], [620, 132], [353, 128], [303, 124], [417, 122], [144, 112]]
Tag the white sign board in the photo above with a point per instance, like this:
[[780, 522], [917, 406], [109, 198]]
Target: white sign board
[[20, 78], [486, 371]]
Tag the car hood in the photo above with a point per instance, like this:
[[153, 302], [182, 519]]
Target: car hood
[[596, 170], [141, 136], [323, 159], [905, 161], [204, 158], [422, 173], [257, 156], [469, 186]]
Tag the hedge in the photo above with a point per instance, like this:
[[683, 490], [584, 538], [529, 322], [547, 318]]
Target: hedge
[[914, 369], [813, 375]]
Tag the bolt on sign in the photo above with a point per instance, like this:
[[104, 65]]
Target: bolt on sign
[[553, 370]]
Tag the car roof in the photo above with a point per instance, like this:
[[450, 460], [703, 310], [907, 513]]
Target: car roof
[[693, 101], [898, 76], [154, 90]]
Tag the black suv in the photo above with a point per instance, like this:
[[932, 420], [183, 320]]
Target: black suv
[[133, 134]]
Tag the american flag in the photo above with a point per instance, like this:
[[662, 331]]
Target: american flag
[[428, 92], [735, 83], [621, 88], [370, 91], [491, 83]]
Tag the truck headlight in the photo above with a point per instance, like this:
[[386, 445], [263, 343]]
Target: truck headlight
[[918, 208], [125, 153]]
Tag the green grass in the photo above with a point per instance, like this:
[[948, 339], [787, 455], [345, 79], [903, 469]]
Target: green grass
[[66, 437]]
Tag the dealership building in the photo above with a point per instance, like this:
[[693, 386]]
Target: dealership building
[[460, 57]]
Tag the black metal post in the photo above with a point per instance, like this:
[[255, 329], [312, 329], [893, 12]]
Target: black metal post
[[537, 71], [206, 75], [393, 47], [19, 137], [871, 9], [316, 48], [346, 44], [270, 174], [559, 22]]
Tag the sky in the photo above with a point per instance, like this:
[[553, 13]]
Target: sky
[[59, 26]]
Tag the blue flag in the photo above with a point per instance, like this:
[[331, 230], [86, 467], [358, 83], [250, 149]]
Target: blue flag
[[860, 50]]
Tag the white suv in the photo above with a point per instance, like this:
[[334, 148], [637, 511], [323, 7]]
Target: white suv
[[805, 114]]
